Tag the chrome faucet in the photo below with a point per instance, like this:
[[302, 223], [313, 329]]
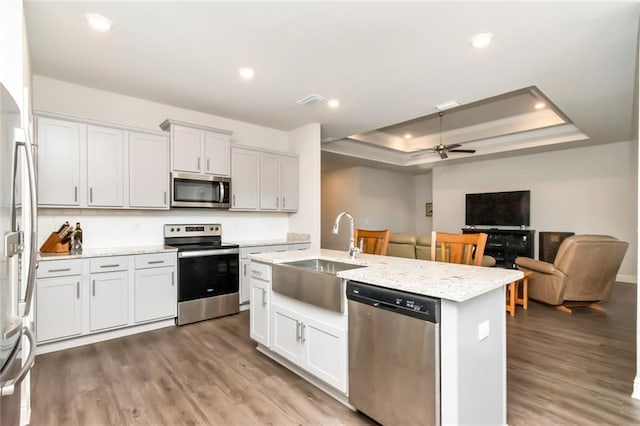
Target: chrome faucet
[[353, 250]]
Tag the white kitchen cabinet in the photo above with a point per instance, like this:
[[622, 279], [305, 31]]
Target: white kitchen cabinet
[[289, 182], [148, 171], [316, 346], [269, 181], [105, 166], [59, 152], [198, 149], [260, 311], [108, 305], [244, 179], [155, 290], [58, 307]]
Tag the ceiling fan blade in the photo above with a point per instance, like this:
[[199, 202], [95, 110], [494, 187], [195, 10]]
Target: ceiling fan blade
[[443, 154], [468, 151], [454, 146]]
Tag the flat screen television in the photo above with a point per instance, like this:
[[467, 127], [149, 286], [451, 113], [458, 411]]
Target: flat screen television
[[497, 209]]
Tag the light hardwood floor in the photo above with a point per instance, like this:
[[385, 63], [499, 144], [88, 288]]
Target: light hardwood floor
[[562, 369]]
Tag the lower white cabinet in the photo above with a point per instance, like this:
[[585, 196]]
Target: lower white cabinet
[[259, 311], [317, 347], [79, 297], [58, 307], [109, 305], [155, 294]]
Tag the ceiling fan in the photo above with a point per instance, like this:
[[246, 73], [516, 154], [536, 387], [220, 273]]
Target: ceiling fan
[[443, 149]]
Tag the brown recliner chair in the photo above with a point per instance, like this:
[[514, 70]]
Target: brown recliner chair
[[583, 272]]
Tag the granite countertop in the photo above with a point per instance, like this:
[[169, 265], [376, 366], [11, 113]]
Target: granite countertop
[[448, 281], [111, 251], [291, 239]]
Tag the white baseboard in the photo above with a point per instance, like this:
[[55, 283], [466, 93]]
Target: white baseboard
[[633, 279], [636, 388]]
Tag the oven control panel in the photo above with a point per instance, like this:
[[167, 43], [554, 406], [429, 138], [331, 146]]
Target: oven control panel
[[191, 230]]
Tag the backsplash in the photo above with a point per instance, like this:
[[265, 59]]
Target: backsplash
[[130, 228]]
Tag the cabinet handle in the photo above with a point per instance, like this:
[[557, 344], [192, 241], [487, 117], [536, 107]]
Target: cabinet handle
[[78, 290], [284, 204], [297, 331], [112, 265], [234, 200], [173, 283], [60, 270], [277, 202], [165, 197], [198, 164], [207, 164], [244, 270], [75, 194], [94, 288], [302, 327], [264, 297], [257, 273], [155, 262], [91, 195]]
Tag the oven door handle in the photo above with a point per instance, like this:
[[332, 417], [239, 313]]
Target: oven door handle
[[200, 253]]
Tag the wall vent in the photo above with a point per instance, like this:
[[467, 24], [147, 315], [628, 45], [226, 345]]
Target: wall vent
[[311, 99]]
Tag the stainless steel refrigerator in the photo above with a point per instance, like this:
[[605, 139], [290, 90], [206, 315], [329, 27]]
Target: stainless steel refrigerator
[[17, 258]]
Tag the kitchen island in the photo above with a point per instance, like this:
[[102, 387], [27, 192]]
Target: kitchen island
[[472, 327]]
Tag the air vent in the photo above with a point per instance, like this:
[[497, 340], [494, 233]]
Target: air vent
[[311, 99]]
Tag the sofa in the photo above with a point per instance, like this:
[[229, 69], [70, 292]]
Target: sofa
[[583, 272], [418, 247]]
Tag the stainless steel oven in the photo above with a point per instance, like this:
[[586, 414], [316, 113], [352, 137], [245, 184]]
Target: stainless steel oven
[[194, 190], [208, 272]]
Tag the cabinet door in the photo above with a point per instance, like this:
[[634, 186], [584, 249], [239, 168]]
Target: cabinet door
[[105, 166], [154, 294], [269, 181], [58, 308], [245, 281], [289, 183], [285, 333], [186, 149], [324, 352], [217, 159], [259, 312], [109, 300], [244, 179], [59, 162], [148, 171]]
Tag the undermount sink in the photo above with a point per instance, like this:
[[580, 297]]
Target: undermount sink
[[312, 281]]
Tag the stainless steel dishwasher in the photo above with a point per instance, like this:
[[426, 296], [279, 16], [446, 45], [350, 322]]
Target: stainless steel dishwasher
[[394, 355]]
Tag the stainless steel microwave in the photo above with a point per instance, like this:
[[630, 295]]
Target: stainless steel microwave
[[194, 190]]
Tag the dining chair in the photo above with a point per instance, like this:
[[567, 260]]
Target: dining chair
[[458, 248], [372, 242]]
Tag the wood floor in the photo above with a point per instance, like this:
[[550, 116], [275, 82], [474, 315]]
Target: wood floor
[[562, 369]]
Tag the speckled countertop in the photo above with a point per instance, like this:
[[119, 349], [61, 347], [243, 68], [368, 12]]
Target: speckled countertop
[[448, 281], [111, 251], [292, 238]]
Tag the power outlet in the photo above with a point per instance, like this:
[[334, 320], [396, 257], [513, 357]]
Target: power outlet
[[483, 330]]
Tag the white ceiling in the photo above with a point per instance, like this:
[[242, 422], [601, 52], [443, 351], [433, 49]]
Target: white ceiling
[[387, 62]]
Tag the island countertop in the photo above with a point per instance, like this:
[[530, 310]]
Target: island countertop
[[448, 281]]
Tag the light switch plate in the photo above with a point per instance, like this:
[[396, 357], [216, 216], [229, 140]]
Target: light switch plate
[[483, 330]]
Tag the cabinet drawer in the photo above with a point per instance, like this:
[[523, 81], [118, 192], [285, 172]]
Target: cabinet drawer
[[155, 260], [109, 264], [280, 247], [300, 246], [59, 268], [246, 251], [260, 271]]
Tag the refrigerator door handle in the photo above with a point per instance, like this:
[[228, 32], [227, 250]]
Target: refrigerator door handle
[[10, 386], [22, 139]]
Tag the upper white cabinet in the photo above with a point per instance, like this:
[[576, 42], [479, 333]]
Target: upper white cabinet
[[263, 180], [59, 146], [85, 165], [198, 149], [148, 171], [244, 179], [105, 166]]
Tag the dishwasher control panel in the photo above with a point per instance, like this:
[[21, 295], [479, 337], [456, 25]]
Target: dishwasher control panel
[[423, 307]]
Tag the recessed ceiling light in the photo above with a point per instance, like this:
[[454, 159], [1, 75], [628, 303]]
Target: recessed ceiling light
[[408, 136], [246, 73], [99, 22], [333, 103], [539, 105], [481, 40], [447, 105]]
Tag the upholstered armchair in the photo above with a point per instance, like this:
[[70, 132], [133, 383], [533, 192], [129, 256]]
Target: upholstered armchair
[[583, 272]]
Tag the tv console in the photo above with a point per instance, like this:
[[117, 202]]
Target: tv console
[[505, 245]]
